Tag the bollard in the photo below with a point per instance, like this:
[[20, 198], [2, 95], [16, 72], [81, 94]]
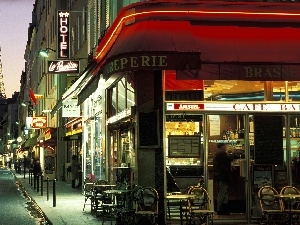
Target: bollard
[[24, 171], [54, 193], [42, 185], [47, 188], [31, 173], [29, 177], [37, 183], [34, 181]]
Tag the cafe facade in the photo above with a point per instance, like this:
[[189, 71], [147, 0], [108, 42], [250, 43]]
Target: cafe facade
[[174, 79]]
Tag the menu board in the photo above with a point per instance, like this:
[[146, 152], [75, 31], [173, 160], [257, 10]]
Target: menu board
[[268, 144], [148, 129], [262, 176], [184, 146]]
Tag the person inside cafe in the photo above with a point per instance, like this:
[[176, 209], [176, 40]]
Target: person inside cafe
[[222, 169]]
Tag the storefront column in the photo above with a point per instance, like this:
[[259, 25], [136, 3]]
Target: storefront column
[[268, 93], [150, 161]]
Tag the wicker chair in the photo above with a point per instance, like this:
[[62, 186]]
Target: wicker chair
[[147, 207], [291, 206], [200, 206], [270, 206]]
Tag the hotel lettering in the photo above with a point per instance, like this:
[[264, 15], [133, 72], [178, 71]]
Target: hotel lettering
[[63, 35]]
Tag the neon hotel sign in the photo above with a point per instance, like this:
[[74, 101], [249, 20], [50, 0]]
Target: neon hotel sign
[[63, 35]]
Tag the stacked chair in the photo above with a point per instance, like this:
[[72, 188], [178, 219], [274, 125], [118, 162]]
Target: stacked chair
[[88, 193], [99, 196]]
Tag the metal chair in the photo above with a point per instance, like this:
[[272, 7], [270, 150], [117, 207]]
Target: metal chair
[[100, 197], [270, 206], [147, 206], [291, 206], [199, 206], [88, 193]]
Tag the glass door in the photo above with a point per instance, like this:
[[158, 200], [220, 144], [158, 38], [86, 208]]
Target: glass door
[[226, 163]]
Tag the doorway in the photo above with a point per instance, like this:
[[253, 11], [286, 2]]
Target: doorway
[[227, 132]]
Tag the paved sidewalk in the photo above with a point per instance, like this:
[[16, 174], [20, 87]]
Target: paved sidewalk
[[68, 209], [69, 203]]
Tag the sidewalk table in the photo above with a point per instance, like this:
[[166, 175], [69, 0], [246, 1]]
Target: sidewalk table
[[98, 190], [181, 198], [116, 193], [122, 206], [288, 197]]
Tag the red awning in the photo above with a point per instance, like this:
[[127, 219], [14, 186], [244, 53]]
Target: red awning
[[218, 43], [151, 45], [248, 44]]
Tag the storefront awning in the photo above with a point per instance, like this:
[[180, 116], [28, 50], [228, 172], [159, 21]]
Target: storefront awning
[[153, 45], [205, 37], [88, 89], [30, 142]]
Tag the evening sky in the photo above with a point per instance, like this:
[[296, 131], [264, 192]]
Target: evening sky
[[15, 16]]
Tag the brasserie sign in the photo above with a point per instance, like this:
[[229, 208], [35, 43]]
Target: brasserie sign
[[63, 66]]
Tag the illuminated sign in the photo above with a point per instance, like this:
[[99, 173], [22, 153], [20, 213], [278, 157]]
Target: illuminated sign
[[39, 122], [121, 115], [257, 107], [63, 66], [71, 109], [63, 31]]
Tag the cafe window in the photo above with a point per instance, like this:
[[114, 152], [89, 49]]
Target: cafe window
[[120, 95], [242, 90]]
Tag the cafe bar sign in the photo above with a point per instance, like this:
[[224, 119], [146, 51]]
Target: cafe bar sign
[[240, 107], [63, 66]]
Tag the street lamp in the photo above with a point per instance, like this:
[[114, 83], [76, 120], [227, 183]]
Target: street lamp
[[45, 52]]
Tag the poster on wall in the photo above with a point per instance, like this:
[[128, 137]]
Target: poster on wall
[[214, 125]]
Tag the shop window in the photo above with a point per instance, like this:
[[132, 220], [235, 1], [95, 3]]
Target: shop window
[[120, 96], [242, 90]]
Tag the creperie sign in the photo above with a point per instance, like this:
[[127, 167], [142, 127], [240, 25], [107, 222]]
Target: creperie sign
[[63, 35], [39, 122], [257, 107]]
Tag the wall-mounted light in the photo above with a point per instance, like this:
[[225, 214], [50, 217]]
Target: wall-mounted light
[[45, 52], [26, 103]]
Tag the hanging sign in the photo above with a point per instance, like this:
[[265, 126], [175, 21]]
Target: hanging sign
[[63, 66], [39, 122], [63, 31]]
